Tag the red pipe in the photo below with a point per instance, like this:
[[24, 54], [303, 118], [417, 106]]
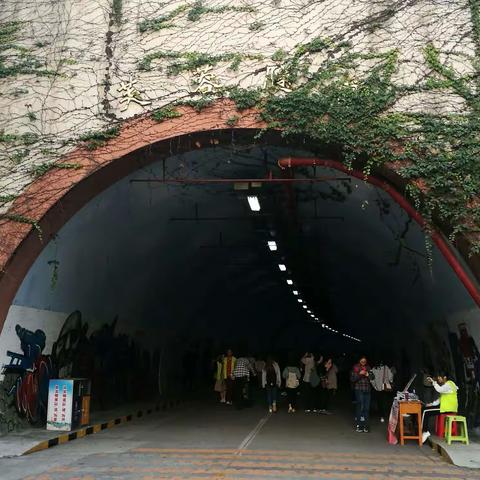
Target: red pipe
[[437, 238]]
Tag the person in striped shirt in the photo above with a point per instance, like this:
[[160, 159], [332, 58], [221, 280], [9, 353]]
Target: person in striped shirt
[[241, 375]]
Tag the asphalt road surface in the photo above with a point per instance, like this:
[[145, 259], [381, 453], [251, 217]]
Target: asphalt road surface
[[205, 440]]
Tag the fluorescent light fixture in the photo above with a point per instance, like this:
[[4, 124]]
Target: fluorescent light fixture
[[323, 325], [282, 267], [289, 282], [304, 306], [299, 300], [272, 245], [309, 311], [312, 316], [295, 292], [240, 186], [254, 203]]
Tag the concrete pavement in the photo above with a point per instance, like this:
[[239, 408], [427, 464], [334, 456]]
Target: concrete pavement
[[202, 440], [34, 439], [458, 453]]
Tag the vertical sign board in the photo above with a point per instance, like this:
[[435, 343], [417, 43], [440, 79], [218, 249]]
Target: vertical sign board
[[60, 399]]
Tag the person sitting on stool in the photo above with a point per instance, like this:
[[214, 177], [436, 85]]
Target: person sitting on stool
[[448, 401]]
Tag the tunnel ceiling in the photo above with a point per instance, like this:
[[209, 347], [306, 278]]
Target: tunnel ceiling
[[195, 256]]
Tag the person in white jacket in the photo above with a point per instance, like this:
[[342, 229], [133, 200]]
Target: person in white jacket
[[271, 381]]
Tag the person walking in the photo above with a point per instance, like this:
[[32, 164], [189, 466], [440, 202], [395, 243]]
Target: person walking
[[241, 375], [220, 379], [360, 378], [329, 384], [259, 366], [311, 380], [291, 374], [271, 381], [229, 363]]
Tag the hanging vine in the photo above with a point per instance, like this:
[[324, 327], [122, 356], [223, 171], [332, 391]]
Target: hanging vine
[[334, 90]]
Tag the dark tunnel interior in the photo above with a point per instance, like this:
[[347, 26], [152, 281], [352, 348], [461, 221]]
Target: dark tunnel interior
[[174, 265]]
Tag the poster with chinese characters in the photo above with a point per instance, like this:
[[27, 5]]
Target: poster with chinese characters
[[60, 399]]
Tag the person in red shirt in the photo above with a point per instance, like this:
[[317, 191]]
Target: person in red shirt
[[360, 379]]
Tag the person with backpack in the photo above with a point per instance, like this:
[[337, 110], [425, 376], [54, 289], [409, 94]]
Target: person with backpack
[[292, 375], [271, 381]]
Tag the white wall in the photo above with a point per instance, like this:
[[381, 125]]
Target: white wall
[[33, 319]]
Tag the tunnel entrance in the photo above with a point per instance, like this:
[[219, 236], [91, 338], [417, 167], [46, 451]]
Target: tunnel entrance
[[192, 253]]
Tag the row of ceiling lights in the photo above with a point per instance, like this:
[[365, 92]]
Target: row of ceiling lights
[[254, 204]]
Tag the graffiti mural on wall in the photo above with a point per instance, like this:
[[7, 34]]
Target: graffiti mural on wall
[[28, 375], [71, 347], [119, 369], [467, 371]]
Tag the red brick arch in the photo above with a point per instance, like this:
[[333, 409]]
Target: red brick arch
[[54, 197]]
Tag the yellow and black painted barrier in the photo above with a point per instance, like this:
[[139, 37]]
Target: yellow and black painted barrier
[[98, 427]]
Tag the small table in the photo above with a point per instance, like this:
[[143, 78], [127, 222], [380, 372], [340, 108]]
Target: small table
[[412, 408]]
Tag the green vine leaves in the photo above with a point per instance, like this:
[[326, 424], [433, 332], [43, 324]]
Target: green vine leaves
[[331, 89]]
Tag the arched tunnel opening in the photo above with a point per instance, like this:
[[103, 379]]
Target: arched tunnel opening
[[212, 246]]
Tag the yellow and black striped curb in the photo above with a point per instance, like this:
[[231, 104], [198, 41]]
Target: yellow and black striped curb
[[98, 427]]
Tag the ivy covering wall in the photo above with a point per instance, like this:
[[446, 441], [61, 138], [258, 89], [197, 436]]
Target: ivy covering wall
[[392, 82]]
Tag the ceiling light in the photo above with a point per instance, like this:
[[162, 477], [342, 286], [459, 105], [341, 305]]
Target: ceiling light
[[254, 203], [304, 306], [289, 282], [299, 300], [295, 292], [282, 267], [272, 245], [309, 311], [312, 315]]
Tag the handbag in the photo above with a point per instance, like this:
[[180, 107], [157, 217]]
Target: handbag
[[292, 380]]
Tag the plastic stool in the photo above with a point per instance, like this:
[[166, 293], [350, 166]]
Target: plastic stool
[[440, 422], [450, 437]]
